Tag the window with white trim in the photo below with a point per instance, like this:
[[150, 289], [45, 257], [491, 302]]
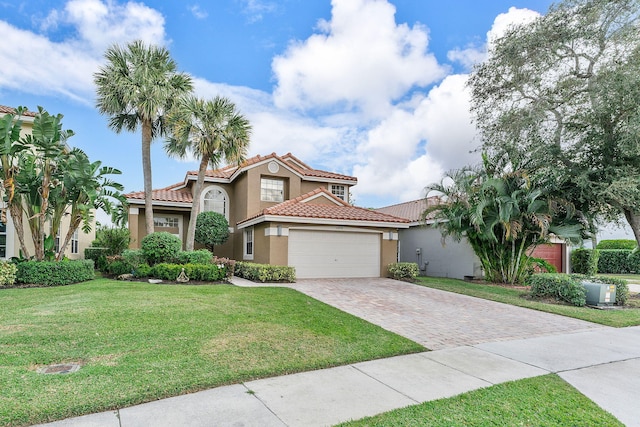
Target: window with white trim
[[74, 242], [271, 190], [166, 221], [248, 243], [215, 200], [339, 191], [3, 240]]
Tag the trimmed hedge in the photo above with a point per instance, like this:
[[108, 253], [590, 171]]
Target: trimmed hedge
[[265, 272], [619, 261], [403, 270], [48, 273], [585, 261], [160, 247], [198, 272], [200, 256], [617, 244], [562, 287], [622, 289]]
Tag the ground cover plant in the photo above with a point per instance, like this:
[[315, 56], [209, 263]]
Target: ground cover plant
[[139, 342], [539, 401], [519, 296]]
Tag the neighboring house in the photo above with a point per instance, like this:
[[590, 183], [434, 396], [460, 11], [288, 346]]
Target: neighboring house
[[281, 212], [438, 257], [9, 243]]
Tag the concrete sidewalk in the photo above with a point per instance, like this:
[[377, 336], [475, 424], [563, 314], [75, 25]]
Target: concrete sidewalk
[[604, 364]]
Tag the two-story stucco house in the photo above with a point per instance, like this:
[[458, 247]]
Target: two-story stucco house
[[281, 212]]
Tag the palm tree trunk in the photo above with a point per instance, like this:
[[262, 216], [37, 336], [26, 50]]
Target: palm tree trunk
[[15, 210], [146, 170], [195, 206]]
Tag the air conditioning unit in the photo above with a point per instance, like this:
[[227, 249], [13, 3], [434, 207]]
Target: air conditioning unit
[[600, 293]]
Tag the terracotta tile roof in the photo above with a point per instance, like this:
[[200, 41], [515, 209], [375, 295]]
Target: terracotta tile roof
[[173, 193], [411, 211], [10, 110], [302, 207], [296, 164]]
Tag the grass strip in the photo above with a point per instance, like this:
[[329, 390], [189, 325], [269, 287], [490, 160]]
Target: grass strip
[[629, 316], [533, 402], [139, 342]]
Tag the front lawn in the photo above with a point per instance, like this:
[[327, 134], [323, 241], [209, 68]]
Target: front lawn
[[138, 342], [629, 316], [533, 402]]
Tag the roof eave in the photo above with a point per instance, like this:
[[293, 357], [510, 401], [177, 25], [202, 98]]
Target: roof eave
[[319, 221]]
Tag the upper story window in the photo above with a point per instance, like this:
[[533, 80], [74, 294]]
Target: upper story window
[[271, 190], [340, 191], [215, 199]]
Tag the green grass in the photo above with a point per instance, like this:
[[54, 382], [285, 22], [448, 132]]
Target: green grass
[[539, 401], [618, 318], [138, 342]]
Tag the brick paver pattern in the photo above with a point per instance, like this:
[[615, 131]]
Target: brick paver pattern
[[434, 318]]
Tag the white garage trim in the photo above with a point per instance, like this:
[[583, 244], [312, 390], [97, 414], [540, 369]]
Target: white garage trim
[[336, 254]]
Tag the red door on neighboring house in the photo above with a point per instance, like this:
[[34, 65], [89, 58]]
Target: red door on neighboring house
[[551, 253]]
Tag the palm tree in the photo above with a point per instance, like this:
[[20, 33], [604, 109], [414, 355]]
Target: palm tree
[[212, 131], [502, 214], [136, 88]]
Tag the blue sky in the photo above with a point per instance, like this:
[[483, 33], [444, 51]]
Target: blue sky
[[370, 88]]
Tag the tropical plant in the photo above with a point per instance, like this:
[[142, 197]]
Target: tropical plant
[[136, 87], [562, 93], [502, 214], [212, 229], [114, 239], [212, 131]]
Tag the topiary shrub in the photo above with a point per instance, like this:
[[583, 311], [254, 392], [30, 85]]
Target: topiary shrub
[[622, 289], [585, 261], [562, 287], [212, 229], [403, 270], [8, 272], [200, 256], [49, 273], [160, 247], [617, 244]]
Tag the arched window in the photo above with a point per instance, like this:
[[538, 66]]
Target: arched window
[[215, 199]]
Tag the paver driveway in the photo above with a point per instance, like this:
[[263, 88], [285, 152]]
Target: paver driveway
[[434, 318]]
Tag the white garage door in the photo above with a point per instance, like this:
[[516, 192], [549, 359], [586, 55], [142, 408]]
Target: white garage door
[[334, 254]]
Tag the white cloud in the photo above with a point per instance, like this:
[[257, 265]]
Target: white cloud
[[256, 9], [361, 59], [96, 24], [198, 12]]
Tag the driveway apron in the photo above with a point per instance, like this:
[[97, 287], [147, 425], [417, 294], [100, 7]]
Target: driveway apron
[[434, 318]]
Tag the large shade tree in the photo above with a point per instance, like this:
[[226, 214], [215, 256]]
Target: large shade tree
[[136, 88], [563, 95], [212, 131], [503, 214]]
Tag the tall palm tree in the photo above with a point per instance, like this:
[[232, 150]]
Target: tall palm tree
[[211, 130], [136, 87]]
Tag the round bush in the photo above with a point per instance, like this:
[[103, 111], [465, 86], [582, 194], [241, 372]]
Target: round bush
[[160, 247]]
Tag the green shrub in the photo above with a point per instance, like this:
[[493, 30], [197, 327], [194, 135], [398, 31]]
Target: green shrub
[[617, 244], [265, 272], [99, 257], [115, 240], [622, 289], [619, 261], [160, 247], [562, 287], [117, 266], [585, 261], [197, 272], [142, 270], [8, 272], [212, 228], [48, 273], [134, 257], [228, 264], [201, 256], [403, 270]]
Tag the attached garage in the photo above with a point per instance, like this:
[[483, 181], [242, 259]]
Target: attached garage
[[334, 254]]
